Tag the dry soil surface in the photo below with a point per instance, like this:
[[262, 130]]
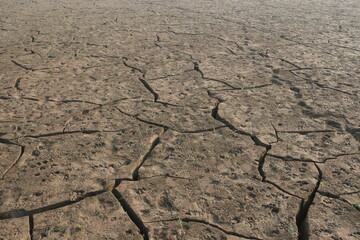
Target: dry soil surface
[[159, 119]]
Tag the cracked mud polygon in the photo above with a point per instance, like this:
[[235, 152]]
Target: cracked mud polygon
[[179, 119]]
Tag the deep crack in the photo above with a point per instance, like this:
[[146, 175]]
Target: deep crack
[[301, 216], [31, 226], [149, 88], [132, 214], [18, 213], [135, 69]]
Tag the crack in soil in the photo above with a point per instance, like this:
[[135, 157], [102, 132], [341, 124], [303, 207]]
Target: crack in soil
[[263, 174], [216, 116], [64, 133], [149, 88], [242, 88], [320, 85], [340, 46], [338, 196], [22, 150], [168, 127], [8, 142], [194, 220], [301, 216], [22, 66], [135, 69], [154, 141], [18, 213], [132, 214], [292, 159], [197, 69], [307, 131], [31, 226], [255, 139]]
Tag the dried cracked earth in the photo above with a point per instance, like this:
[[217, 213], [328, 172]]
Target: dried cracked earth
[[179, 119]]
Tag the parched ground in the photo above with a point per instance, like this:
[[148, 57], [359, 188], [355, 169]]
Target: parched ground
[[158, 119]]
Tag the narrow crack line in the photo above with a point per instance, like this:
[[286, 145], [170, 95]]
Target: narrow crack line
[[328, 194], [74, 101], [194, 220], [134, 68], [22, 150], [18, 213], [31, 226], [154, 141], [349, 193], [302, 214], [316, 47], [340, 46], [67, 132], [63, 133], [141, 120], [307, 131], [112, 102], [168, 127], [190, 56], [103, 56], [300, 43], [338, 197], [310, 68], [132, 214], [97, 45], [281, 189], [216, 116], [323, 86], [276, 135], [6, 88], [231, 51], [292, 159], [197, 69], [8, 142], [340, 155], [174, 105], [331, 88], [166, 176], [219, 81], [242, 88], [199, 130], [22, 66], [263, 174], [150, 89], [291, 63], [50, 100], [255, 139], [5, 98], [119, 180]]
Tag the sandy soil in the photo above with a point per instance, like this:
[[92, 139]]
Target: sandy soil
[[179, 119]]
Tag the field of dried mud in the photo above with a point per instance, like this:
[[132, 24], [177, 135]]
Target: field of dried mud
[[155, 119]]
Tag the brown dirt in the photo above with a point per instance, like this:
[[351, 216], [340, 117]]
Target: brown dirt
[[179, 120]]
